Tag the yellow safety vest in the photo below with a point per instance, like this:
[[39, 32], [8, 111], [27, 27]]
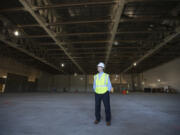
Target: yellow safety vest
[[101, 83]]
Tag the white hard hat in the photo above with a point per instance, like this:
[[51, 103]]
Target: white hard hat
[[101, 64]]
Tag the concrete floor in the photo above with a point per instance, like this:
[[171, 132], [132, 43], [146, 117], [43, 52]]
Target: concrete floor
[[73, 114]]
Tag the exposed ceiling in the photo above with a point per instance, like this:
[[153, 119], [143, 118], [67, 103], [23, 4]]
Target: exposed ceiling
[[81, 33]]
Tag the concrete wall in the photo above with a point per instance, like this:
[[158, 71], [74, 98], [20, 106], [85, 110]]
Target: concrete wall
[[168, 73], [10, 65], [61, 82], [79, 83], [49, 82], [71, 83], [45, 82]]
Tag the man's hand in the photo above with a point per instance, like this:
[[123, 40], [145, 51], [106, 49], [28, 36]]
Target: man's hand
[[112, 90]]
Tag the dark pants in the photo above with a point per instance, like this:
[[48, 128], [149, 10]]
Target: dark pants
[[106, 100]]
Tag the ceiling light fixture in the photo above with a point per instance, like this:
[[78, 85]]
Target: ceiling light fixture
[[116, 43], [62, 65], [16, 33]]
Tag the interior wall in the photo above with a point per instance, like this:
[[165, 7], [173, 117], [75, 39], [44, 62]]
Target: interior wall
[[45, 82], [70, 83], [10, 65], [14, 72], [16, 83], [168, 74], [48, 82], [78, 83], [137, 80], [2, 84], [61, 83]]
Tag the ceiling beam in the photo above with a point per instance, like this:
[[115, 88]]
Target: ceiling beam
[[82, 33], [129, 1], [148, 19], [79, 4], [96, 41], [16, 9], [91, 3], [67, 23], [91, 53], [119, 10], [66, 34], [95, 33], [98, 48], [61, 5], [40, 20], [156, 48]]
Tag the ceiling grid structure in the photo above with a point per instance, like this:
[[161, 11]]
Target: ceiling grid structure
[[81, 33]]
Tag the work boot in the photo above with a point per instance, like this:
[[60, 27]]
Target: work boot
[[96, 122], [108, 123]]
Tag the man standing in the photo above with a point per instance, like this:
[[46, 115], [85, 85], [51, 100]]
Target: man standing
[[102, 87]]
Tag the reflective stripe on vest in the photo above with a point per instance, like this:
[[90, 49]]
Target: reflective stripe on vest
[[101, 83]]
